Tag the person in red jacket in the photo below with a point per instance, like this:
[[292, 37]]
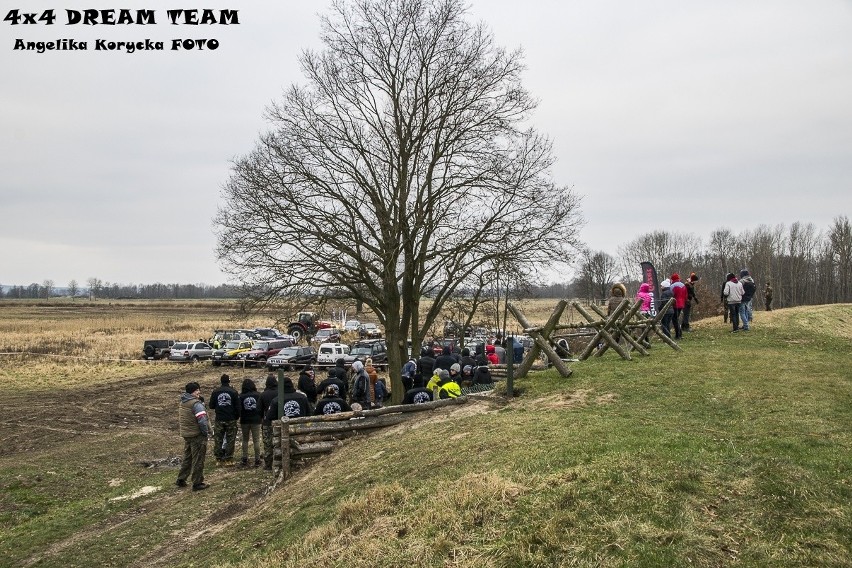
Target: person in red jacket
[[680, 294]]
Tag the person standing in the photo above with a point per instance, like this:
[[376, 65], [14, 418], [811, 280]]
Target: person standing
[[331, 403], [269, 393], [360, 385], [194, 429], [225, 401], [250, 419], [644, 294], [307, 383], [749, 288], [665, 296], [733, 294], [680, 294], [690, 298], [767, 297], [295, 405]]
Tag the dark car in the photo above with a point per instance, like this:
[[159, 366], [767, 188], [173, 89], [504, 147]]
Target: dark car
[[291, 358], [369, 331], [374, 349], [157, 348], [263, 350]]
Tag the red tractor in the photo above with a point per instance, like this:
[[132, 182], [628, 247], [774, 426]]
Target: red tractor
[[307, 324]]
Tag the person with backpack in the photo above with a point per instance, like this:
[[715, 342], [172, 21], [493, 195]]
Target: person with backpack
[[746, 308]]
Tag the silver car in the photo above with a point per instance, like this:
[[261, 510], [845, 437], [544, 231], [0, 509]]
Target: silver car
[[186, 351]]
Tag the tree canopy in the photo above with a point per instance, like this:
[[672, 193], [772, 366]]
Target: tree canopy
[[404, 167]]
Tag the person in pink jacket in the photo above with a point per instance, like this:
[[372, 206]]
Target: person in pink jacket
[[680, 293], [644, 294]]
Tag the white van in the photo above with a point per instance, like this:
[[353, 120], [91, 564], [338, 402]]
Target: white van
[[329, 353]]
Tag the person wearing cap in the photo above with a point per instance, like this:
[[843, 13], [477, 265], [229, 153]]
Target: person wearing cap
[[665, 296], [194, 429], [749, 288], [295, 405], [733, 294], [690, 298], [331, 403], [225, 402]]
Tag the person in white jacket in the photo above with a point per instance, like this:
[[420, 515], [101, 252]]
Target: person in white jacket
[[733, 293]]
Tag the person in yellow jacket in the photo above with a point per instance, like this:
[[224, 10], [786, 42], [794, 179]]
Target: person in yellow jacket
[[449, 388]]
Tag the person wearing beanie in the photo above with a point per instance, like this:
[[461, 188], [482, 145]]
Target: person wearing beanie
[[680, 293], [295, 405], [331, 403], [665, 296], [194, 429], [690, 298], [733, 294], [746, 308], [225, 402], [450, 388], [250, 419]]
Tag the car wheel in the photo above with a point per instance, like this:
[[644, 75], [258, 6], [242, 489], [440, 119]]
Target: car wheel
[[194, 358], [149, 351]]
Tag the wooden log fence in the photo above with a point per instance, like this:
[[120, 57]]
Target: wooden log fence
[[308, 437]]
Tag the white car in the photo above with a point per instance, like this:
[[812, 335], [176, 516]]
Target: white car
[[351, 325], [192, 351], [329, 353]]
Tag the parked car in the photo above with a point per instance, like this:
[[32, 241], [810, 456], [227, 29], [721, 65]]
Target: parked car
[[157, 348], [192, 351], [369, 331], [222, 336], [351, 325], [374, 349], [291, 358], [326, 335], [228, 354], [263, 350], [329, 353], [269, 333]]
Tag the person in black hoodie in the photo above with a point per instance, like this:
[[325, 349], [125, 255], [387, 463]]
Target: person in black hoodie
[[339, 371], [444, 361], [307, 384], [270, 392], [225, 401], [334, 379], [250, 419], [295, 405], [426, 364], [331, 403]]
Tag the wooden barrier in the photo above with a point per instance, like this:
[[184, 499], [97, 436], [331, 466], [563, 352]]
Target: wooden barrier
[[311, 436]]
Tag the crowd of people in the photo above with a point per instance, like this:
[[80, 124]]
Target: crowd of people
[[250, 413]]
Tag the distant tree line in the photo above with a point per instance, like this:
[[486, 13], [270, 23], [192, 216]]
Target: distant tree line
[[97, 289], [804, 265]]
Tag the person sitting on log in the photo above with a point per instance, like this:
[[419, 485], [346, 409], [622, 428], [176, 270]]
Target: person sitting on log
[[418, 394], [331, 403]]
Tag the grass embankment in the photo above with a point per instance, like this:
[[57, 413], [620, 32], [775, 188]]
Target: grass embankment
[[736, 451]]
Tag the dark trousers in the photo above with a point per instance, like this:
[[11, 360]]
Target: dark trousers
[[676, 322], [225, 436], [734, 315], [194, 452], [666, 323], [687, 310]]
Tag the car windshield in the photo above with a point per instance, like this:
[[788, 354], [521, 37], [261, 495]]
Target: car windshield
[[232, 345], [288, 352], [261, 345], [369, 326], [361, 351]]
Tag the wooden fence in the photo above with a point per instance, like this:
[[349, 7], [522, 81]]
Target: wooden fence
[[301, 439]]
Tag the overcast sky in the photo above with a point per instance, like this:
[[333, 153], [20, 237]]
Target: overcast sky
[[665, 115]]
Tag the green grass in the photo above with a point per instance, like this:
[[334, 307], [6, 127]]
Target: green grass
[[735, 451]]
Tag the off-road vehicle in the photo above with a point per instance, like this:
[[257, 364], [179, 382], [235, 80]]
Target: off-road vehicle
[[157, 348]]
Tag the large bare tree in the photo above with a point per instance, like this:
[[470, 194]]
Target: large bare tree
[[402, 166]]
